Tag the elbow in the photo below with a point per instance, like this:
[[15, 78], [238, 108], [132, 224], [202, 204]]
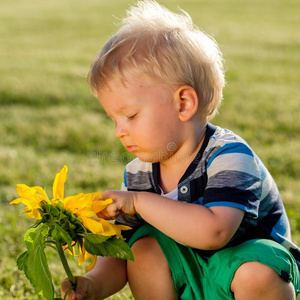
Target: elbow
[[217, 240]]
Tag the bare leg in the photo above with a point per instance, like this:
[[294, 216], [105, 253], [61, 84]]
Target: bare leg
[[255, 281], [149, 275]]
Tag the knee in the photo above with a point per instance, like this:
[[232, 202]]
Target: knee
[[149, 275], [148, 257], [146, 249], [253, 280], [143, 245], [254, 276]]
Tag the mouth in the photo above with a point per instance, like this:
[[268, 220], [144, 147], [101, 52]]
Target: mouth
[[131, 148]]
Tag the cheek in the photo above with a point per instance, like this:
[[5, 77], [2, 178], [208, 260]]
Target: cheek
[[159, 129]]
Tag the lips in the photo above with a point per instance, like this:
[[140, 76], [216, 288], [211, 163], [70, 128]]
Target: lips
[[131, 148]]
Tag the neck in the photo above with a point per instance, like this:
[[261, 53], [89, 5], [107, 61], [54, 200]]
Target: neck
[[172, 169]]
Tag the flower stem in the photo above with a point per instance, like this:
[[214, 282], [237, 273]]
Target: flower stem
[[65, 264]]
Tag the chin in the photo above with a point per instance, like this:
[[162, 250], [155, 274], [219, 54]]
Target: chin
[[149, 158]]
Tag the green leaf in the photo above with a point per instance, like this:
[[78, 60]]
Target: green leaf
[[95, 238], [34, 236], [21, 260], [112, 246], [61, 236], [34, 263]]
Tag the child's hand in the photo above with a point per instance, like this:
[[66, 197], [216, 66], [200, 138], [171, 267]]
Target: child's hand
[[123, 203], [85, 289]]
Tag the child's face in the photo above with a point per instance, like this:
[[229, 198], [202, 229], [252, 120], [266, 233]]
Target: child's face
[[145, 115]]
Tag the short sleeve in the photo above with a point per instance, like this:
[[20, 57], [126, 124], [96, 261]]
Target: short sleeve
[[124, 183], [233, 179]]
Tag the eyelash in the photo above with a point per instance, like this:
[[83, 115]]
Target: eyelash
[[132, 117]]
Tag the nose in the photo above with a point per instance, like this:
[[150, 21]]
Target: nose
[[120, 130]]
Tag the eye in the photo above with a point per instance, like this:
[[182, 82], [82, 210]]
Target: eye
[[132, 117]]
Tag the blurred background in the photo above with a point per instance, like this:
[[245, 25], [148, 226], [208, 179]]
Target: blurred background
[[49, 118]]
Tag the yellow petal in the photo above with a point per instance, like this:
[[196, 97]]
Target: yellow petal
[[119, 228], [83, 205], [84, 212], [33, 213], [42, 193], [20, 200], [96, 196], [71, 202], [93, 225], [83, 256], [35, 193], [66, 248], [108, 228], [31, 198], [87, 202], [80, 204], [59, 182], [89, 198], [29, 203], [31, 207], [99, 205], [25, 191], [92, 264]]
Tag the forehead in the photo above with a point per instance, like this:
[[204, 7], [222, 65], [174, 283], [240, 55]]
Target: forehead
[[131, 85], [122, 92], [130, 79], [134, 81], [132, 90]]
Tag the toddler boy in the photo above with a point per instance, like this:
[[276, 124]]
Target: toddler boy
[[208, 221]]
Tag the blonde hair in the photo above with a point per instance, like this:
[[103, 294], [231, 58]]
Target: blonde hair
[[166, 46]]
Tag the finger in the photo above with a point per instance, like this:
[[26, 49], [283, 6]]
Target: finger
[[82, 288], [113, 211], [65, 287], [66, 284], [108, 216], [104, 216], [80, 293], [108, 194]]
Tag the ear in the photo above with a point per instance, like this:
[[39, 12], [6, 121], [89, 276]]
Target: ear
[[187, 102]]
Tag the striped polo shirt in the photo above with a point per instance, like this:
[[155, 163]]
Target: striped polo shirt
[[225, 172]]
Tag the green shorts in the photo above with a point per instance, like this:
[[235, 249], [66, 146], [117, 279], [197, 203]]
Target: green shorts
[[202, 279]]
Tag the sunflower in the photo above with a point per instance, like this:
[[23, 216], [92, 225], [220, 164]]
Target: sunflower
[[75, 215]]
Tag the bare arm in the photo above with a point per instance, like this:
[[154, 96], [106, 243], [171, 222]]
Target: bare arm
[[108, 277], [191, 224]]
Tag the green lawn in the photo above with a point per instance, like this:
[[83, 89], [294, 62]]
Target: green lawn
[[49, 118]]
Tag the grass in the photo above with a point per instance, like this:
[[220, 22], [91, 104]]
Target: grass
[[49, 118]]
